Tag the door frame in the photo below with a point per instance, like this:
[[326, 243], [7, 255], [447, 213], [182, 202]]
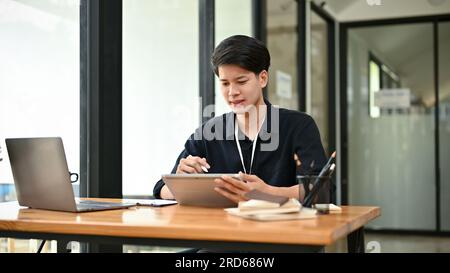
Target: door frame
[[343, 49], [331, 48]]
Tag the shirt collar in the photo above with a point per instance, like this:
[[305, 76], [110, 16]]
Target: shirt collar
[[266, 127]]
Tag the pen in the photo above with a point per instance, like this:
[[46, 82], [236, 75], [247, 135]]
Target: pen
[[307, 202], [204, 169], [328, 164], [330, 161]]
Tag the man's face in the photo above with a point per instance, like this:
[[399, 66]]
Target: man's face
[[241, 88]]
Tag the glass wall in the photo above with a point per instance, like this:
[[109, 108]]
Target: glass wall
[[233, 17], [282, 43], [39, 83], [160, 88], [391, 157], [319, 76], [39, 77], [444, 122]]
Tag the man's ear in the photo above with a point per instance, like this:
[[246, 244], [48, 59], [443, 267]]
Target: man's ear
[[263, 78]]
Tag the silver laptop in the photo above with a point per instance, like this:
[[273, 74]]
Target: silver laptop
[[42, 178]]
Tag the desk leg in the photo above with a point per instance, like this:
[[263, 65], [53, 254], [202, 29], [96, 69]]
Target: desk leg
[[104, 248], [355, 241], [63, 246]]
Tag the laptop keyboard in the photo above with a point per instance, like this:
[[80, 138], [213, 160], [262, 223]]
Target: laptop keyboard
[[94, 205], [88, 202]]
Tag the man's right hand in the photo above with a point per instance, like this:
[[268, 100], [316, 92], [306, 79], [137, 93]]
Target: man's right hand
[[192, 164]]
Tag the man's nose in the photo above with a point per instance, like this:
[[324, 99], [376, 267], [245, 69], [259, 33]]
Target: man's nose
[[233, 91]]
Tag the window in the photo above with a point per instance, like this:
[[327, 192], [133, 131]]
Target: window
[[320, 80], [380, 77], [389, 79], [282, 42], [226, 25], [374, 86], [160, 88], [39, 85], [39, 77]]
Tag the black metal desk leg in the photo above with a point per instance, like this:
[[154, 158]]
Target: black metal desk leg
[[63, 246], [355, 241], [104, 248]]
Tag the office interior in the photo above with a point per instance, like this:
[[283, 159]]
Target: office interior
[[125, 83]]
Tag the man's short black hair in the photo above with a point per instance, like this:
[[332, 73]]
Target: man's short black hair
[[243, 51]]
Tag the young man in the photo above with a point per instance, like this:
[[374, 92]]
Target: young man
[[256, 139]]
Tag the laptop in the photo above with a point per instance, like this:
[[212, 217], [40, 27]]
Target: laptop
[[42, 179]]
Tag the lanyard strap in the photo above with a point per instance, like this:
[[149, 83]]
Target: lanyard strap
[[236, 130]]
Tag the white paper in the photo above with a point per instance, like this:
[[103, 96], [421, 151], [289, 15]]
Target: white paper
[[150, 202]]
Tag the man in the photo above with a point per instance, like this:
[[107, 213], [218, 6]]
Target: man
[[259, 141]]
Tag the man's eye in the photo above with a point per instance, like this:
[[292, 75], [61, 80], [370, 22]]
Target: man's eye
[[225, 84], [244, 82]]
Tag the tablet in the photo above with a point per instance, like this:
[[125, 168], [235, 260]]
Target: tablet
[[197, 190]]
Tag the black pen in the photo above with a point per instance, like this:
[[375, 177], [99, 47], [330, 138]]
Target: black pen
[[307, 202], [326, 167]]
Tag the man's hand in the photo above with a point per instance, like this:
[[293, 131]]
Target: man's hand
[[235, 189], [192, 164], [166, 193]]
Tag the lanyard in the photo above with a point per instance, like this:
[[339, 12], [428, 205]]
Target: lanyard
[[236, 130]]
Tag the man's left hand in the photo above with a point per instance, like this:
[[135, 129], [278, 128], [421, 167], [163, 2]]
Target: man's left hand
[[235, 189]]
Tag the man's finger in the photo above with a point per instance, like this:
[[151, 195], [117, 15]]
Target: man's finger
[[187, 169], [195, 165], [237, 183], [205, 163], [232, 197], [197, 162], [248, 178], [229, 187], [202, 162]]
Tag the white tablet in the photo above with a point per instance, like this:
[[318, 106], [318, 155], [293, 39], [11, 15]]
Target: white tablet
[[197, 190]]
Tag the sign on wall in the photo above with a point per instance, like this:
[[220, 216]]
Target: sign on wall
[[393, 98], [284, 85]]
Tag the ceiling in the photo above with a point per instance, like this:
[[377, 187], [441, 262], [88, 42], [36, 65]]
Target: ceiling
[[399, 43], [408, 50], [356, 10]]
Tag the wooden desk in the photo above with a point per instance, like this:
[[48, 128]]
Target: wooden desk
[[187, 227]]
